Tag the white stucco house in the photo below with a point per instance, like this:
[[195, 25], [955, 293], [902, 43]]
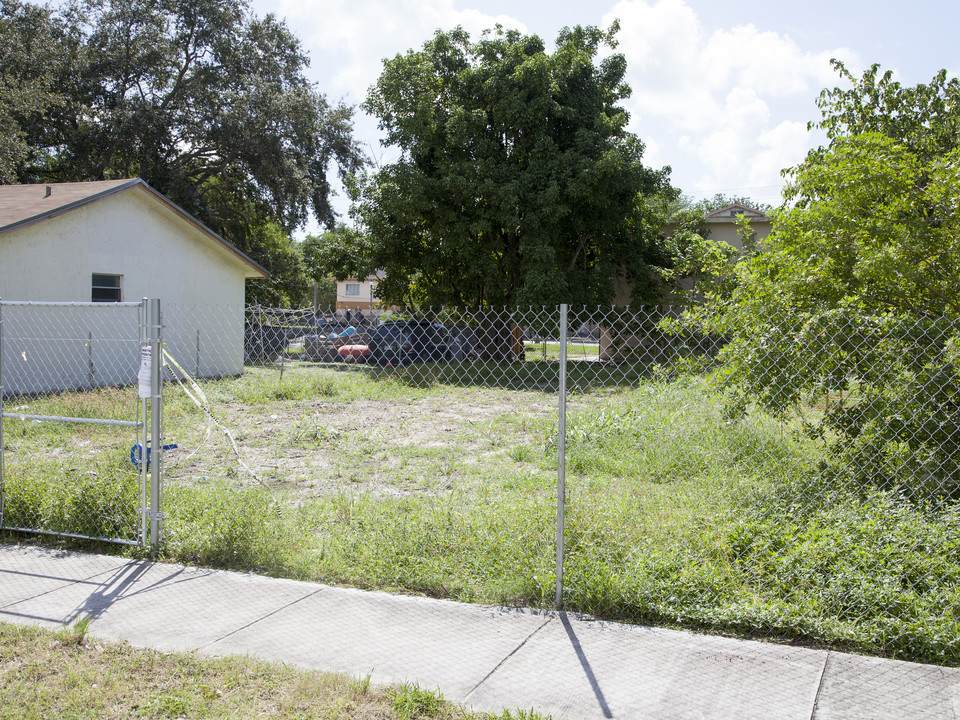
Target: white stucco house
[[107, 242]]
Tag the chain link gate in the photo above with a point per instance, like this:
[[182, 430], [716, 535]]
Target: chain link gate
[[78, 457]]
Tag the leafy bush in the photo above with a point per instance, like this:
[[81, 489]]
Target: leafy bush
[[95, 500], [224, 526], [898, 425]]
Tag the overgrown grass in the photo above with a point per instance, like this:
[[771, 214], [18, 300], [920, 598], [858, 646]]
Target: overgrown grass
[[676, 514], [860, 569], [95, 495], [68, 675]]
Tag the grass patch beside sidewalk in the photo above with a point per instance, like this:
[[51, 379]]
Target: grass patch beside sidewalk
[[69, 675]]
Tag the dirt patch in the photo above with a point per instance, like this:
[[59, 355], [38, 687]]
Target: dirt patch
[[384, 447]]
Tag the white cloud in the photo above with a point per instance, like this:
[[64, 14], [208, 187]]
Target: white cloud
[[656, 38], [768, 62], [778, 148], [724, 100], [348, 40]]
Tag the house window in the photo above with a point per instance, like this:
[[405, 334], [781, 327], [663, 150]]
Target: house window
[[353, 289], [106, 288]]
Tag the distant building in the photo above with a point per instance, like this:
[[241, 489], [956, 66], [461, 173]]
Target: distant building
[[722, 224], [358, 294]]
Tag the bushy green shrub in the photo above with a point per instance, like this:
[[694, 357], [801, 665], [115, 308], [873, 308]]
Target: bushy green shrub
[[98, 501], [223, 525], [863, 569], [898, 424]]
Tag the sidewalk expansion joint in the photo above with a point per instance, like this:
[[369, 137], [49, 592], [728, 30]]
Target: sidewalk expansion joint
[[823, 673], [506, 657], [259, 619]]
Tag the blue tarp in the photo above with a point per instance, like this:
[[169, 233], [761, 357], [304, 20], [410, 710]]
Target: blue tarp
[[346, 333]]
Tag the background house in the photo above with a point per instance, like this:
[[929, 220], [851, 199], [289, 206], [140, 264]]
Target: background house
[[357, 293], [106, 242], [722, 226]]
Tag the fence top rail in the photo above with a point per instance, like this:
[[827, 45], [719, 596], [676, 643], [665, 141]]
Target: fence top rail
[[76, 420], [39, 303]]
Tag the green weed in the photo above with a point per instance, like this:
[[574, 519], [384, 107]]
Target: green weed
[[411, 702], [76, 634], [310, 431]]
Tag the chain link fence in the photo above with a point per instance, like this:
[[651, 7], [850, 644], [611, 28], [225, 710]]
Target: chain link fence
[[791, 478], [69, 433]]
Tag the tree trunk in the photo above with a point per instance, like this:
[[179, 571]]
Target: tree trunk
[[499, 338]]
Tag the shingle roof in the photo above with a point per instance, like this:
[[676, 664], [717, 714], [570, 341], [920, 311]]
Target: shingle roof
[[26, 204], [20, 203]]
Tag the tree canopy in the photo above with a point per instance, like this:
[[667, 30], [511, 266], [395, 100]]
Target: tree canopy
[[518, 181], [203, 100], [922, 117], [26, 83], [872, 219], [859, 288]]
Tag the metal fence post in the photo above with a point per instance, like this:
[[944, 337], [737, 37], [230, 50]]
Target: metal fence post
[[90, 369], [156, 419], [561, 452], [144, 393], [1, 412]]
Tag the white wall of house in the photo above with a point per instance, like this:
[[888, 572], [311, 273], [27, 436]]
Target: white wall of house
[[156, 252], [131, 234]]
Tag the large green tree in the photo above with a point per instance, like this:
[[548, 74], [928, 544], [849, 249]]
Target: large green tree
[[27, 89], [859, 287], [518, 181], [204, 100], [871, 219]]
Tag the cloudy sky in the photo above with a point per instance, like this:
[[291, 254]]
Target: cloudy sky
[[722, 91]]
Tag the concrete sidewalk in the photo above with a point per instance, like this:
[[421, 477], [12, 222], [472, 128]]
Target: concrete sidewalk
[[486, 658]]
